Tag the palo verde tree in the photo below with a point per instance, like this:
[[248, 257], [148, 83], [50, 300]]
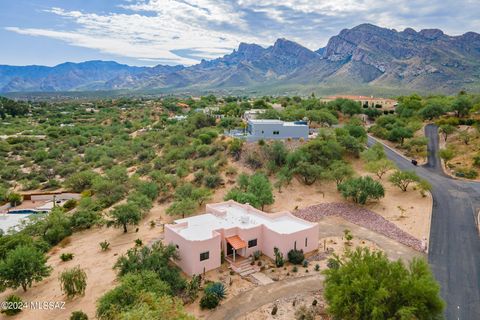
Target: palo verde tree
[[402, 179], [446, 154], [255, 190], [22, 266], [380, 167], [367, 285], [125, 214], [361, 189]]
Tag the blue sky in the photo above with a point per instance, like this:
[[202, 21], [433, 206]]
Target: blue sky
[[150, 32]]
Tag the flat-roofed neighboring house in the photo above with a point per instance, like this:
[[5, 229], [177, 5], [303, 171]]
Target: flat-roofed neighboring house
[[238, 230], [270, 129], [253, 113], [371, 102]]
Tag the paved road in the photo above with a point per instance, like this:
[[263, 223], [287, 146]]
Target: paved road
[[253, 299], [454, 245]]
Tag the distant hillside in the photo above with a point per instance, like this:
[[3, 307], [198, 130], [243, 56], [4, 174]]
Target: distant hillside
[[365, 59]]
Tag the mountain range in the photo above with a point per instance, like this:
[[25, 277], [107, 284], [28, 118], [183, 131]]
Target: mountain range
[[366, 57]]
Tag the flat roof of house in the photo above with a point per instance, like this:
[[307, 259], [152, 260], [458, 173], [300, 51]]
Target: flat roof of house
[[351, 97], [201, 227], [275, 121]]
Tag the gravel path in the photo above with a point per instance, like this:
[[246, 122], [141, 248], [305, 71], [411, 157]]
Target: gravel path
[[362, 217]]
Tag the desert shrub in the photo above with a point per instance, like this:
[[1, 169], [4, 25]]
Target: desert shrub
[[476, 160], [279, 261], [130, 292], [15, 302], [274, 310], [253, 160], [333, 263], [304, 313], [85, 219], [191, 290], [209, 301], [317, 267], [305, 263], [257, 254], [296, 256], [104, 245], [295, 269], [66, 256], [70, 204], [73, 282], [156, 258], [213, 181], [468, 173], [78, 315], [138, 242], [216, 288]]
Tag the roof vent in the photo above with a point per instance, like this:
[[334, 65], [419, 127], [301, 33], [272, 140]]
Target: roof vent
[[244, 219]]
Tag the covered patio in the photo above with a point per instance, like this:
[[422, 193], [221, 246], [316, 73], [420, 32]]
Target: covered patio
[[235, 247]]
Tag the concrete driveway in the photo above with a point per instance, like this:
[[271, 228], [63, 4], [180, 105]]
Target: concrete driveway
[[454, 251]]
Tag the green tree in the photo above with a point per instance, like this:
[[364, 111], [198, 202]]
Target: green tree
[[446, 154], [152, 306], [446, 130], [462, 105], [309, 172], [73, 282], [399, 134], [367, 285], [432, 111], [157, 258], [15, 199], [80, 181], [260, 186], [380, 167], [361, 189], [402, 179], [184, 207], [465, 137], [374, 153], [125, 214], [350, 107], [235, 148], [22, 266], [339, 171]]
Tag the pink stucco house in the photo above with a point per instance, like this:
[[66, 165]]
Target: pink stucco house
[[238, 230]]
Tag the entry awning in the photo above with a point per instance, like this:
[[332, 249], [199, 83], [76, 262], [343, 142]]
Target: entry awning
[[236, 242]]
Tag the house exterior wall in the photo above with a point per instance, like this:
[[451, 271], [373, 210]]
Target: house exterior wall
[[189, 252], [286, 242], [266, 131]]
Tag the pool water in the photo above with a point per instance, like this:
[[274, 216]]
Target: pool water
[[25, 211]]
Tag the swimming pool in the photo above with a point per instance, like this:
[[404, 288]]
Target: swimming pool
[[25, 211]]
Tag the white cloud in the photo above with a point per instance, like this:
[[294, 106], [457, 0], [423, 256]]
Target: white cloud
[[179, 31], [175, 26]]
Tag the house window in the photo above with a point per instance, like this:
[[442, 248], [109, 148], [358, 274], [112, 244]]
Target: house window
[[276, 132], [176, 246], [263, 132], [204, 255], [295, 245], [252, 243], [306, 242]]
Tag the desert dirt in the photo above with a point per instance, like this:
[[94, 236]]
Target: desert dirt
[[102, 277], [463, 153]]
